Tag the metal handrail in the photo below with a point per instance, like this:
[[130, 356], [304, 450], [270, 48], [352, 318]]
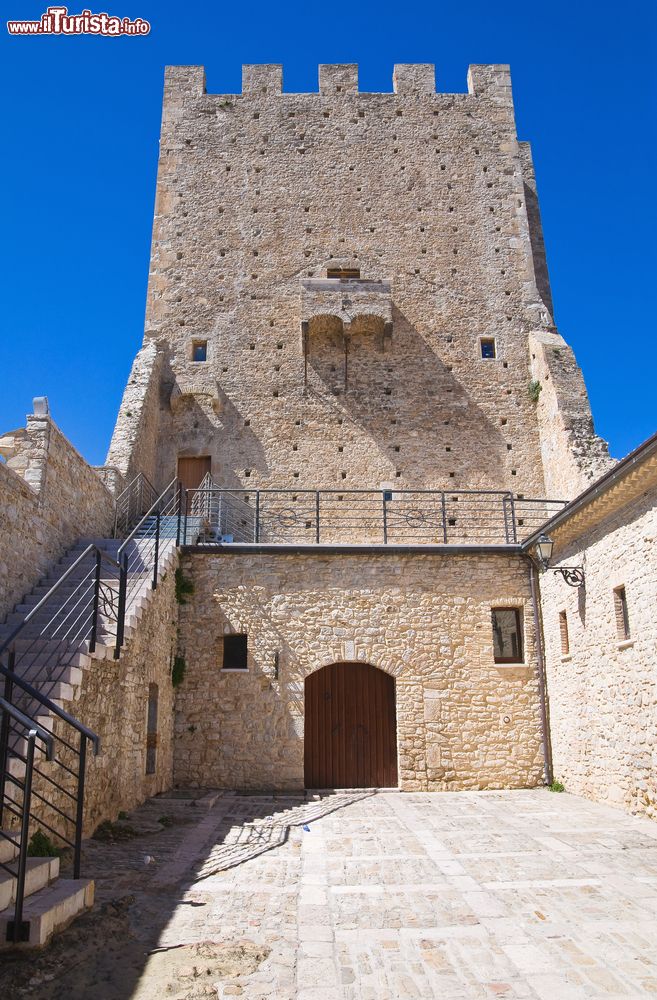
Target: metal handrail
[[53, 590], [148, 514], [52, 707], [24, 720]]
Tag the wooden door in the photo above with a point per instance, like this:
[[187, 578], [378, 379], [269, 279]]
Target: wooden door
[[350, 736], [192, 470]]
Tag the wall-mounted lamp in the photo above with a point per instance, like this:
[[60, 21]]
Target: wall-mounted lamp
[[573, 575]]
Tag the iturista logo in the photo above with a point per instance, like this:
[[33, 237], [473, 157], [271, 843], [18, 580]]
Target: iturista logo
[[58, 21]]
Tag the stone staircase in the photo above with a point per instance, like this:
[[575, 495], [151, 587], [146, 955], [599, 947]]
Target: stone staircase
[[52, 653]]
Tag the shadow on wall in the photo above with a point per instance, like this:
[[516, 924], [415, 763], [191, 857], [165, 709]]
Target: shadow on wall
[[408, 384], [194, 425]]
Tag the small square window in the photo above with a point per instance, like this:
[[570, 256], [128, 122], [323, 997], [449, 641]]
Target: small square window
[[488, 350], [507, 635], [200, 350], [234, 653], [622, 617]]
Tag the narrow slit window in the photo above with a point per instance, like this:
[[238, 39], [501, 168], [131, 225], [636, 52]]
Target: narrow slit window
[[563, 632], [488, 349], [200, 350], [343, 273], [235, 649], [622, 616], [507, 635]]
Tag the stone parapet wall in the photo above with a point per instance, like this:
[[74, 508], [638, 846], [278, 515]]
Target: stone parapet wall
[[603, 692], [49, 497], [463, 721]]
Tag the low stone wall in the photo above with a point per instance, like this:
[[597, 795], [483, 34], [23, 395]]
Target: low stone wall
[[49, 497], [603, 692], [463, 721]]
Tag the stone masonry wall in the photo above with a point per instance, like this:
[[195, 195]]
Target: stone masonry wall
[[49, 498], [603, 693], [262, 190], [134, 442], [112, 700], [573, 455], [463, 720]]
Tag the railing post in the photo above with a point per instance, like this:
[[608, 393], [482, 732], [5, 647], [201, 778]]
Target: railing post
[[185, 506], [444, 512], [157, 548], [4, 731], [256, 526], [317, 517], [25, 831], [120, 617], [94, 613], [384, 494], [514, 523], [79, 811], [178, 525]]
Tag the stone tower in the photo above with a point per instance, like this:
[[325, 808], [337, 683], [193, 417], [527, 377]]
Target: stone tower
[[350, 290]]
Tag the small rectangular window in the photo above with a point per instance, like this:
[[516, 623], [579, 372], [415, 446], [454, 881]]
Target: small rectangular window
[[234, 653], [343, 273], [622, 617], [200, 350], [487, 345], [507, 635], [563, 630]]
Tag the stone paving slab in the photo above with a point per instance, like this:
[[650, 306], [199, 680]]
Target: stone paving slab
[[501, 894], [523, 895]]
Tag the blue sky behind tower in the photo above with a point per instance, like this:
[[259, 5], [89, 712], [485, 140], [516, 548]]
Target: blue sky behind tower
[[81, 127]]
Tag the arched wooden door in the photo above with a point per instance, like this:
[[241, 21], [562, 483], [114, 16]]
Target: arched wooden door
[[350, 733]]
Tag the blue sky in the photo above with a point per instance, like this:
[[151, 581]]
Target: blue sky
[[80, 130]]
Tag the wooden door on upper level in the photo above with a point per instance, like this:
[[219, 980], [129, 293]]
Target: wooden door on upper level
[[192, 470], [350, 730]]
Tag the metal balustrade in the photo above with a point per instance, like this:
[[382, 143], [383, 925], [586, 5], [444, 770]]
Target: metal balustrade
[[361, 517]]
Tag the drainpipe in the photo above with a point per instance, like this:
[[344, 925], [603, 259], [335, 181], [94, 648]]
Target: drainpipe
[[542, 692]]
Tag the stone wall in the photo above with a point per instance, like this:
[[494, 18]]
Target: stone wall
[[463, 720], [133, 445], [603, 692], [573, 455], [112, 700], [49, 498], [260, 191]]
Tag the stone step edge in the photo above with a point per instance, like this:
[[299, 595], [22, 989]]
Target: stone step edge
[[50, 910]]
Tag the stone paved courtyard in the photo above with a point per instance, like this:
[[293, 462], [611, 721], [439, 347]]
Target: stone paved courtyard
[[361, 896]]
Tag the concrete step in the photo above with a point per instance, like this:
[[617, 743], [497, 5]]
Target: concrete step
[[8, 848], [39, 872], [50, 910]]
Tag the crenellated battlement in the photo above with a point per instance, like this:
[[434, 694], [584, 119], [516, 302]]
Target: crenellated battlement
[[488, 82]]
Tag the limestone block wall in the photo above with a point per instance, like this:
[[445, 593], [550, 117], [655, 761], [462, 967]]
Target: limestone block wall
[[603, 692], [134, 441], [260, 191], [112, 700], [573, 454], [463, 721], [49, 498]]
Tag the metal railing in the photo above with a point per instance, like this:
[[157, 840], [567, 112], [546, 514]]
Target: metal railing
[[37, 761], [141, 554], [131, 505], [354, 517], [87, 605]]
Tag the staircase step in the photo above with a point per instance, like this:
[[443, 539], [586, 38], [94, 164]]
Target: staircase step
[[50, 910], [39, 872], [8, 848]]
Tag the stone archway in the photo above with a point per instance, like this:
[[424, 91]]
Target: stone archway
[[350, 730]]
